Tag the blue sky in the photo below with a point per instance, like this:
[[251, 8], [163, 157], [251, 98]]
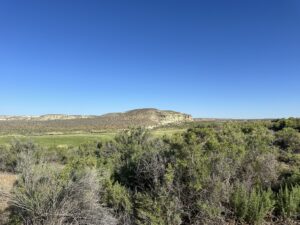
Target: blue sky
[[225, 58]]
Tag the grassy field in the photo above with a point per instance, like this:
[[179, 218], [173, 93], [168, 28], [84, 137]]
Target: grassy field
[[57, 140], [74, 139]]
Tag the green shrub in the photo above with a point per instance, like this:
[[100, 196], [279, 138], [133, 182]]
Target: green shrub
[[10, 156], [8, 160], [252, 206], [148, 210], [288, 202], [283, 123], [118, 198], [288, 139], [48, 195]]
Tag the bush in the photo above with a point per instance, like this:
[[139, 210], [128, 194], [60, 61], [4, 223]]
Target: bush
[[44, 195], [284, 123], [288, 202], [7, 159], [10, 156], [252, 206], [118, 198], [288, 139]]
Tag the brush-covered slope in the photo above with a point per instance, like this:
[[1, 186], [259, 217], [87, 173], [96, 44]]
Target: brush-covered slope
[[63, 123]]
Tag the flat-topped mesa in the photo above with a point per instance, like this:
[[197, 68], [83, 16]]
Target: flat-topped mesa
[[43, 117], [62, 117], [23, 118]]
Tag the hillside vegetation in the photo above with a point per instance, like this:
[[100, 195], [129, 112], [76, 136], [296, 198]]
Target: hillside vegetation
[[62, 123], [218, 173]]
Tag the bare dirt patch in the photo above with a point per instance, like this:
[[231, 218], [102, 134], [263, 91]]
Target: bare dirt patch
[[7, 181]]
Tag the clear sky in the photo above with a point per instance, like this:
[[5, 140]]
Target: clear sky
[[225, 58]]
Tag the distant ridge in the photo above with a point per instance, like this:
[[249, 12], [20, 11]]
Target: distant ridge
[[146, 117], [45, 117]]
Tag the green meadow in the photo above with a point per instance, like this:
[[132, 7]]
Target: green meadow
[[50, 140], [57, 140]]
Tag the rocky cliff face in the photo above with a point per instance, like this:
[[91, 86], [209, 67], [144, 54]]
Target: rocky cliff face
[[157, 117], [174, 117]]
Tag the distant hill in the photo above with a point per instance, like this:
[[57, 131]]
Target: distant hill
[[147, 117], [44, 117]]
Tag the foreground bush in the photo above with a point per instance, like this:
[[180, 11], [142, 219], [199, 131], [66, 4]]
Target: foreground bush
[[45, 195], [252, 206], [288, 202]]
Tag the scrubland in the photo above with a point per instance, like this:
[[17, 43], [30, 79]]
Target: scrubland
[[241, 172]]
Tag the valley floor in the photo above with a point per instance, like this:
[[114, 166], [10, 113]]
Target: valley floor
[[75, 139]]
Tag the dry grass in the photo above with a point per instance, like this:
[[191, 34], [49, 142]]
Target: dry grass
[[7, 181]]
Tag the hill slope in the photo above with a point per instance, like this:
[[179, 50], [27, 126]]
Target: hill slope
[[63, 123]]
